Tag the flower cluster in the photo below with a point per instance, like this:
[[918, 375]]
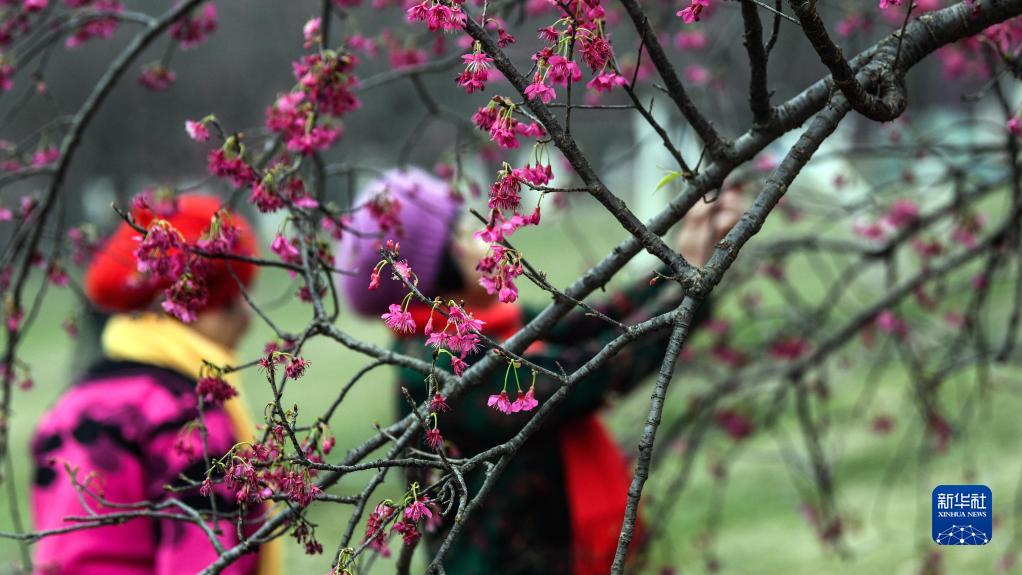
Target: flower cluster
[[214, 390], [968, 58], [161, 253], [163, 257], [901, 214], [501, 265], [459, 337], [103, 27], [376, 527], [304, 118], [735, 424], [228, 162], [325, 84], [477, 71], [277, 188], [498, 270], [305, 535], [160, 200], [437, 15], [498, 118], [257, 472], [399, 319], [693, 13], [186, 295], [415, 509], [192, 29], [505, 193], [526, 401], [156, 77]]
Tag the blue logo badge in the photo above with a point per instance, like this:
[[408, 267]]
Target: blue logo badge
[[962, 515]]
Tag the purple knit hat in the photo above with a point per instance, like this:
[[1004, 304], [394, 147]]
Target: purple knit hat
[[428, 210]]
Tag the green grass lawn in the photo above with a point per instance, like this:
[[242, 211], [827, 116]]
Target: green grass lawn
[[883, 485]]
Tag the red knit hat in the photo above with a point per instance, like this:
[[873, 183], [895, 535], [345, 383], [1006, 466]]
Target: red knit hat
[[114, 284]]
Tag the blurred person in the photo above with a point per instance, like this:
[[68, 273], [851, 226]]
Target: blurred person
[[125, 430], [558, 506]]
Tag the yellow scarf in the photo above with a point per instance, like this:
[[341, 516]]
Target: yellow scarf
[[165, 342]]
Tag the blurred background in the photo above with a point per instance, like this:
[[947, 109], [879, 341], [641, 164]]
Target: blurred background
[[744, 509]]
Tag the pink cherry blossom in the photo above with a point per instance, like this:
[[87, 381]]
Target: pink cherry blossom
[[901, 213], [437, 15], [500, 402], [418, 509], [157, 77], [887, 322], [563, 70], [214, 390], [45, 156], [438, 404], [539, 89], [525, 401], [197, 131], [103, 27], [311, 32], [606, 81], [693, 11], [399, 320], [285, 249], [31, 6], [434, 439], [191, 30]]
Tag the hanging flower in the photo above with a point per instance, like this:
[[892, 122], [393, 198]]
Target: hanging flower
[[477, 71], [458, 365], [285, 249], [409, 532], [596, 51], [185, 297], [399, 320], [375, 533], [437, 15], [418, 509], [438, 404], [500, 402], [161, 251], [539, 89], [563, 70], [606, 81], [311, 32], [197, 130], [214, 390], [525, 401], [296, 367], [692, 12], [157, 77], [434, 439]]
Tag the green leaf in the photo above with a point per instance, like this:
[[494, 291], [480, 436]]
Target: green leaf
[[670, 177]]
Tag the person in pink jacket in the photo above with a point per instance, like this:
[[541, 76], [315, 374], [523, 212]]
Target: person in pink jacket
[[123, 441]]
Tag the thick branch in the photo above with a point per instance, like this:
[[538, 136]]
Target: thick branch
[[883, 108], [759, 96]]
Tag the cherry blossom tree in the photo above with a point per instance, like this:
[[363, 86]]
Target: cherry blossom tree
[[538, 72]]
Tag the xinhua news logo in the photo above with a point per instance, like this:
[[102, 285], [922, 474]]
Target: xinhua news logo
[[962, 515]]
